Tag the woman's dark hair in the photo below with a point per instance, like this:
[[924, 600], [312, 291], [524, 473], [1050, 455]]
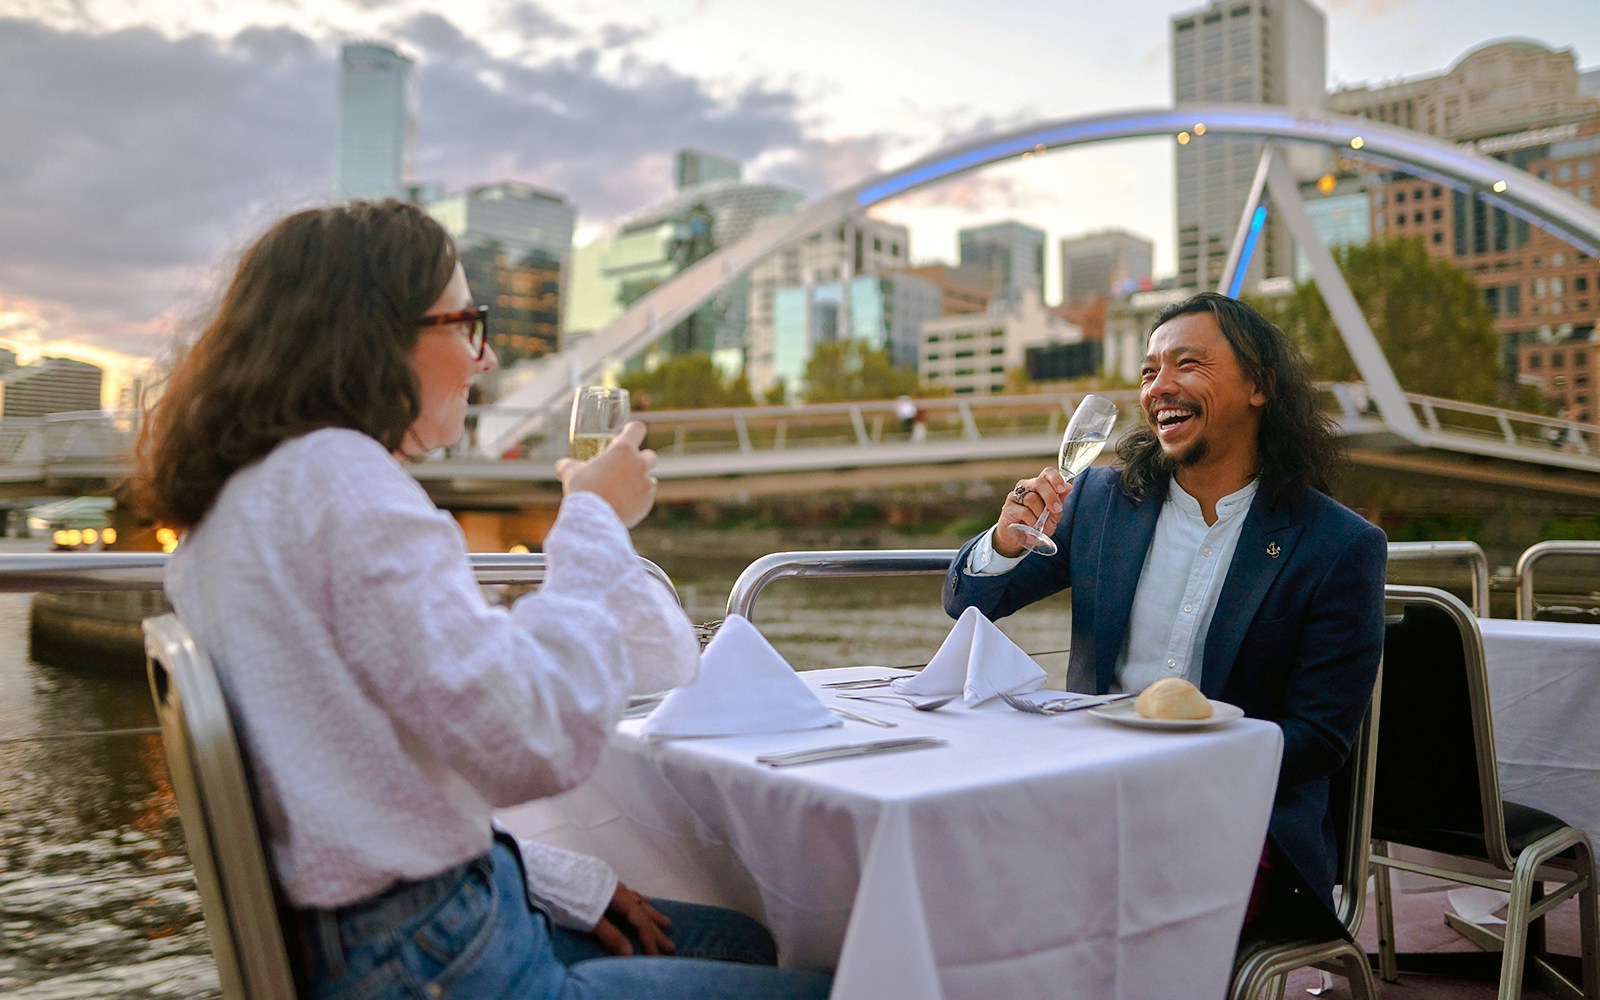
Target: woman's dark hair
[[315, 330], [1295, 444]]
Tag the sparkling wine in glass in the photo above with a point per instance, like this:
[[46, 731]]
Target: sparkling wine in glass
[[598, 414], [1086, 434]]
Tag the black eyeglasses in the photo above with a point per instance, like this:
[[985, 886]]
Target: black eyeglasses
[[477, 320]]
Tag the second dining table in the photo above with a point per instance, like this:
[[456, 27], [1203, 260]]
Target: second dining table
[[1028, 856]]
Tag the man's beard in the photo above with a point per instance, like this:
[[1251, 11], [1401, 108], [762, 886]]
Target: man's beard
[[1187, 458]]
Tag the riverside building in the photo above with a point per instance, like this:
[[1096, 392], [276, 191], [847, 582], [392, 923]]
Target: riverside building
[[1523, 103]]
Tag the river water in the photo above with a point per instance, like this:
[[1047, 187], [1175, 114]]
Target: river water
[[96, 895]]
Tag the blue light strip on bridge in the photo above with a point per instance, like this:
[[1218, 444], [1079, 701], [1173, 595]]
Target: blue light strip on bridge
[[1015, 146], [1257, 220]]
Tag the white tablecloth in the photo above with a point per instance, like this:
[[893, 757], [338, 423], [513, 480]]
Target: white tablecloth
[[1544, 686], [1032, 857]]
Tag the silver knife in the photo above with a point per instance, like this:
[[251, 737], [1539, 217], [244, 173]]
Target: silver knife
[[848, 750], [845, 713], [1077, 705]]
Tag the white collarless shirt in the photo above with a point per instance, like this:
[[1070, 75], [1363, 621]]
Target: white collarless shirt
[[1184, 570]]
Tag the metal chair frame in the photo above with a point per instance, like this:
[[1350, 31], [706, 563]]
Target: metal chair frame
[[1267, 968], [1536, 863], [218, 817]]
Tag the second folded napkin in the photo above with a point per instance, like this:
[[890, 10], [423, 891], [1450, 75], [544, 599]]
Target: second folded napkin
[[977, 660], [745, 686]]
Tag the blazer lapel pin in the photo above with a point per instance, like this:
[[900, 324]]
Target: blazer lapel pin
[[1273, 550]]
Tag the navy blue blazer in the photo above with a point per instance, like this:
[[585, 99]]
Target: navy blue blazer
[[1296, 638]]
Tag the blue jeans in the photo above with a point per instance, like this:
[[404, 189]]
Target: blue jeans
[[470, 934]]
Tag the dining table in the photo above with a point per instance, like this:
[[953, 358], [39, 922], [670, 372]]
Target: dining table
[[1544, 701], [1544, 696], [1023, 856]]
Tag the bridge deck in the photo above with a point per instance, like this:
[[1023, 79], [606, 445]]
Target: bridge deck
[[839, 445]]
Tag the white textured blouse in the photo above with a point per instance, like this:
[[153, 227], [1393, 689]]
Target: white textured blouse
[[387, 709]]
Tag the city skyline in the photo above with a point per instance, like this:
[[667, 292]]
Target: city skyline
[[196, 127]]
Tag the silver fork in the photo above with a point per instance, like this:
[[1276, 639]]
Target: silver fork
[[1060, 706]]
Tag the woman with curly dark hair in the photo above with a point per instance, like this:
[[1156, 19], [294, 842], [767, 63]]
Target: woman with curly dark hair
[[385, 708]]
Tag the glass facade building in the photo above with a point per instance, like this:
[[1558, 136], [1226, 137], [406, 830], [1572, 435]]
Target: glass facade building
[[378, 101]]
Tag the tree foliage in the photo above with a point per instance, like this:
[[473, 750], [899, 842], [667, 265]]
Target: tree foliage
[[1426, 313], [849, 369], [686, 381]]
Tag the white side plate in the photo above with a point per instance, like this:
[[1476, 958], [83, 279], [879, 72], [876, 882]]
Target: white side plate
[[1222, 713]]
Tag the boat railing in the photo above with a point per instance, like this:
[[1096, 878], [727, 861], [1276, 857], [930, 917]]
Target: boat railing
[[832, 563], [101, 571], [927, 562], [1527, 607], [1471, 552]]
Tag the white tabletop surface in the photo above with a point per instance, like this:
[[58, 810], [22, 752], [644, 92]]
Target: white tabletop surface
[[1544, 691], [1029, 854]]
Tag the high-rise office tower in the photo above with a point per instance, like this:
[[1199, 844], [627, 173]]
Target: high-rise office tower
[[519, 217], [1240, 52], [856, 247], [1103, 264], [696, 167], [1011, 252], [514, 240], [377, 122]]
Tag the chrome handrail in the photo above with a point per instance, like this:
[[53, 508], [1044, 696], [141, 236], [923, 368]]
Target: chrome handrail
[[1530, 558], [911, 562], [1470, 551], [832, 563], [24, 573]]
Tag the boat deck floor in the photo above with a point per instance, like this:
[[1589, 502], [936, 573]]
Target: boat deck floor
[[1419, 928]]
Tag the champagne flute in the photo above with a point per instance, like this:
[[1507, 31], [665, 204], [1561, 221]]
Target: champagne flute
[[1086, 433], [598, 415]]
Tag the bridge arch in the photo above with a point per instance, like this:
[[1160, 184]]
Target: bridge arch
[[1539, 203]]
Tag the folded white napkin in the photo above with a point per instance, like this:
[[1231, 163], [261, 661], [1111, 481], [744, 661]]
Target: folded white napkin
[[744, 686], [977, 660]]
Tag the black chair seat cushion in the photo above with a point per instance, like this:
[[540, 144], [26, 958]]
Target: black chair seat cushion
[[1524, 826]]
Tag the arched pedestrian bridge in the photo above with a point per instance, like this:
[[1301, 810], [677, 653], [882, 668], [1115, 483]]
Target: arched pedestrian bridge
[[528, 406]]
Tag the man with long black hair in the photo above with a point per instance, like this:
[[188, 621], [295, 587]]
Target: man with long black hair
[[1212, 552]]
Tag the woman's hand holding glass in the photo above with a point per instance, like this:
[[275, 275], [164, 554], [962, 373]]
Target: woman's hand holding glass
[[620, 475]]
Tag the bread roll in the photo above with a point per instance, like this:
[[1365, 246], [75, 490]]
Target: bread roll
[[1172, 698]]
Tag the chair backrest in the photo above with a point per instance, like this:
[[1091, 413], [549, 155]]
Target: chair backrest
[[218, 816], [1350, 803], [1436, 764]]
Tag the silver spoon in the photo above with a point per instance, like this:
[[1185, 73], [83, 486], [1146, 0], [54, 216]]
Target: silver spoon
[[921, 705]]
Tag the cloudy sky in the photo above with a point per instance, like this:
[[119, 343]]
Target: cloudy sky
[[143, 141]]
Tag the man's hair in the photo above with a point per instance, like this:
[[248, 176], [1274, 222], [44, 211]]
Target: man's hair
[[1295, 443], [315, 330]]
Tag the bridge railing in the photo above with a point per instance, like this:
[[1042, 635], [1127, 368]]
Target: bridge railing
[[1511, 427], [820, 425], [89, 435], [21, 440], [94, 436]]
